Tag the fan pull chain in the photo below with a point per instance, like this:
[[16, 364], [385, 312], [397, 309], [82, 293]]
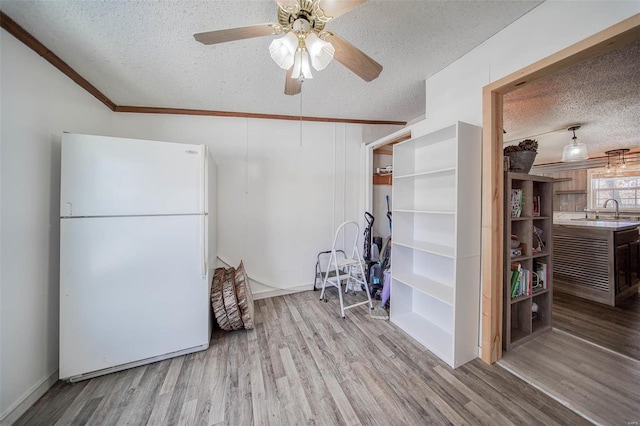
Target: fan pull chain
[[301, 118], [246, 161]]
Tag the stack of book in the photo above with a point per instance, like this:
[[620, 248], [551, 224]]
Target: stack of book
[[520, 281]]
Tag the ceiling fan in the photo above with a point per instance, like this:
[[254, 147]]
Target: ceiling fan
[[305, 40]]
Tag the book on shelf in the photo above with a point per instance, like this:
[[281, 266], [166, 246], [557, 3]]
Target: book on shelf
[[538, 244], [542, 275], [536, 205], [516, 202]]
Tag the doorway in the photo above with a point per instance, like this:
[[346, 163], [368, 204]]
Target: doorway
[[603, 94], [379, 187], [492, 219]]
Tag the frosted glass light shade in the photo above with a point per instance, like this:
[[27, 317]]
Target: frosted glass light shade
[[301, 65], [283, 50], [320, 51], [575, 151]]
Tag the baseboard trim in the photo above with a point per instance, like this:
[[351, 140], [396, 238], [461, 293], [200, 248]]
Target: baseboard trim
[[280, 292], [29, 398]]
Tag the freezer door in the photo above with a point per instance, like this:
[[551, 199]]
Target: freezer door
[[130, 289], [104, 176]]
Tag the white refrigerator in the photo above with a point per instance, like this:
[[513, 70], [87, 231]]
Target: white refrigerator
[[137, 244]]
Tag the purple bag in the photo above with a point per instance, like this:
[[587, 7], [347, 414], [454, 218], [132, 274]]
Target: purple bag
[[386, 288]]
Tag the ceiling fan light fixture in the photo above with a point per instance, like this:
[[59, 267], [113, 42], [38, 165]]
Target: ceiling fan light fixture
[[283, 50], [574, 151], [320, 51], [301, 67]]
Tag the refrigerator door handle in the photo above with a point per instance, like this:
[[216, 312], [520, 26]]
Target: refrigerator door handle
[[203, 248], [203, 214], [203, 177]]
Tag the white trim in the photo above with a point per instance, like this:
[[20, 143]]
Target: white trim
[[590, 173], [590, 206], [29, 398], [280, 292]]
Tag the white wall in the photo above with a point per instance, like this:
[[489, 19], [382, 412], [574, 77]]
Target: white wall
[[455, 93], [38, 104], [281, 211]]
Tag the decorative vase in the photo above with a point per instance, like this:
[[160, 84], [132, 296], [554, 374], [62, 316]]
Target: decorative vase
[[521, 161]]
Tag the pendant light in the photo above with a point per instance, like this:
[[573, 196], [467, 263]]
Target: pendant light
[[574, 151], [608, 170], [620, 166]]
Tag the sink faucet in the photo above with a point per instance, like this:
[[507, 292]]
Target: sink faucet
[[617, 214]]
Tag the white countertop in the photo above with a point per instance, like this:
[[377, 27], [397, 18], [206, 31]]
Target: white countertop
[[601, 224]]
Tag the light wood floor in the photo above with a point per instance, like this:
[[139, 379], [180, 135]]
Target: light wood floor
[[304, 365], [616, 328], [600, 384]]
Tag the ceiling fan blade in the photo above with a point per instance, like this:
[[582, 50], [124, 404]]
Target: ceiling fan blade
[[240, 33], [335, 8], [353, 58], [292, 86]]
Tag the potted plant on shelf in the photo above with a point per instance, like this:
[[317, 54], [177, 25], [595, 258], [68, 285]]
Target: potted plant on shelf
[[522, 156]]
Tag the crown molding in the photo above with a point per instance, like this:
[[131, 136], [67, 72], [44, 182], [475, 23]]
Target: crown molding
[[34, 44]]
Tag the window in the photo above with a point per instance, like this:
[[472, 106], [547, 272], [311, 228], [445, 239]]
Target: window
[[624, 187]]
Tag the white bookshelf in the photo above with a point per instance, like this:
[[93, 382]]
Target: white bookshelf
[[435, 286]]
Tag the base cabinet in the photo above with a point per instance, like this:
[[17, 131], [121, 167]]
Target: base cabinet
[[599, 264], [435, 286]]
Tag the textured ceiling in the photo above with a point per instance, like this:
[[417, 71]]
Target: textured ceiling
[[142, 53], [602, 94]]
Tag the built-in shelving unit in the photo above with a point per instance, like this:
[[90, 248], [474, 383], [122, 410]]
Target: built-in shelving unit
[[387, 149], [521, 321], [435, 271]]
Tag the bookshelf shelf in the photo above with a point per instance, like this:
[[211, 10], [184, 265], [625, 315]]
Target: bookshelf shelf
[[518, 299], [427, 174], [528, 313], [425, 211], [572, 191], [537, 255]]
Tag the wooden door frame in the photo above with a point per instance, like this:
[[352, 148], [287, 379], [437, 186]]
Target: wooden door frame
[[604, 41]]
